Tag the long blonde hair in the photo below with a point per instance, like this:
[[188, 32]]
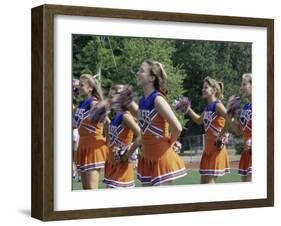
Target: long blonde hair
[[216, 85], [157, 70], [93, 83]]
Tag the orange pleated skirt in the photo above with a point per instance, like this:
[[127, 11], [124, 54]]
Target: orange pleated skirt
[[118, 174], [92, 153], [214, 163], [169, 166]]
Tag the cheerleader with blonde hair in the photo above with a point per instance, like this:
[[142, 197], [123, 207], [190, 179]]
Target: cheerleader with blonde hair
[[92, 150], [243, 126], [214, 160]]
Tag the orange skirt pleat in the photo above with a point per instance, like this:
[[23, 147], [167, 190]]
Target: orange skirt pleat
[[166, 168], [118, 174], [214, 163], [91, 154]]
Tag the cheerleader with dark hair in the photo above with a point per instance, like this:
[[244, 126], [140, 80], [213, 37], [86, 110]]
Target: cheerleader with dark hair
[[159, 163], [124, 137]]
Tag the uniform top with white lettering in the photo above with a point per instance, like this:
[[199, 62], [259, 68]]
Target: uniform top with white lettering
[[119, 135], [155, 129], [213, 124], [85, 125], [246, 121]]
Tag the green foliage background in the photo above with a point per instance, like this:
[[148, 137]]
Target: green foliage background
[[186, 62]]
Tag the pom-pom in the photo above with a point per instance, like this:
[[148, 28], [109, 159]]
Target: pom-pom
[[122, 99], [99, 111], [182, 104], [177, 147], [119, 152], [222, 141], [233, 105]]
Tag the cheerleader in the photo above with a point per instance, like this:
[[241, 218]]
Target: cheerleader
[[119, 167], [75, 133], [214, 160], [244, 126], [159, 163], [92, 150]]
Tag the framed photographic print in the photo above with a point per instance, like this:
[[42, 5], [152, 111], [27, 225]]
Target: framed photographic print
[[141, 112]]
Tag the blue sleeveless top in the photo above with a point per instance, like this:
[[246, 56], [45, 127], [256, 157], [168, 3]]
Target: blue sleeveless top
[[82, 111], [209, 114], [115, 128], [147, 113], [246, 116]]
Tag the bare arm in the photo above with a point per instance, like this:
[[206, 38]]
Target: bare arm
[[230, 121], [129, 122], [106, 129], [164, 109], [221, 111], [198, 119], [236, 128], [134, 108], [107, 120]]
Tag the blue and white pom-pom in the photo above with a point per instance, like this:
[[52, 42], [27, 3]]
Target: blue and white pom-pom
[[222, 141], [119, 152], [177, 146]]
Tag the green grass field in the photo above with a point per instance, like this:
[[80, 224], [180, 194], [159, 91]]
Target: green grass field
[[193, 177]]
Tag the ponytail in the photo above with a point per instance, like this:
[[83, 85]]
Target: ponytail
[[216, 85], [219, 93], [94, 83]]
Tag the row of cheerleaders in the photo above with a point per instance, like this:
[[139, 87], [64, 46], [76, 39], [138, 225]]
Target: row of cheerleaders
[[152, 127]]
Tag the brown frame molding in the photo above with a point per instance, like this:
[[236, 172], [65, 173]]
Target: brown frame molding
[[42, 202]]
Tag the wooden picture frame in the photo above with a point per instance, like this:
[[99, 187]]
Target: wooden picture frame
[[43, 112]]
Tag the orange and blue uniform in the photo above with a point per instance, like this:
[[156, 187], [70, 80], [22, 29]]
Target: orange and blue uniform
[[159, 162], [245, 164], [119, 174], [214, 160], [92, 150]]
